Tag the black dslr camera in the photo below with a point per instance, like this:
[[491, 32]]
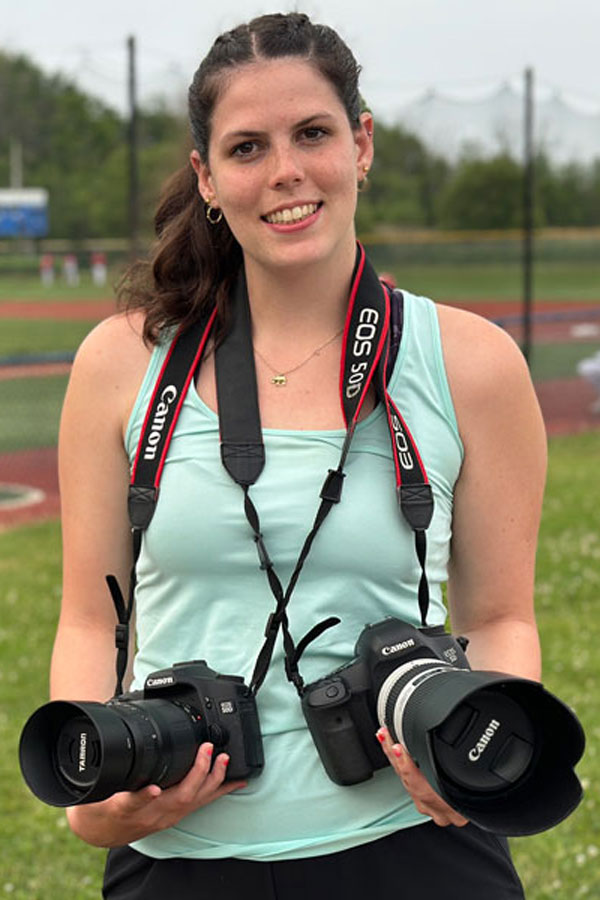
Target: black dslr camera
[[72, 753], [342, 709], [498, 748]]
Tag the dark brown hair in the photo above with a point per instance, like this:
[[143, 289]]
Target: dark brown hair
[[194, 263]]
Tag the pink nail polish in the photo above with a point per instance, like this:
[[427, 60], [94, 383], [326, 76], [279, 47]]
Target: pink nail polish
[[397, 750], [380, 735]]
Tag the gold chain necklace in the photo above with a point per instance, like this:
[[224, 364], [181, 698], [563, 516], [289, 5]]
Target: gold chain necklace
[[279, 378]]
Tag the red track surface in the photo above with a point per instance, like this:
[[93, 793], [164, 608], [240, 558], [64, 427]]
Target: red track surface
[[84, 310], [565, 403]]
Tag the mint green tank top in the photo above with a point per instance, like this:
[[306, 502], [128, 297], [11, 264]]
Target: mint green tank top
[[201, 594]]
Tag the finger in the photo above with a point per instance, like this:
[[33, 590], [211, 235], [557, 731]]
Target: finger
[[383, 736], [426, 800], [196, 778], [218, 772], [132, 801]]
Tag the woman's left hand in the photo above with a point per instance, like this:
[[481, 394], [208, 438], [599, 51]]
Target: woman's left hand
[[424, 797]]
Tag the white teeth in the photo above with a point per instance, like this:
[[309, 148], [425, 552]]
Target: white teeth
[[293, 214]]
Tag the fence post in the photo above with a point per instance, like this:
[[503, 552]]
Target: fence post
[[528, 203]]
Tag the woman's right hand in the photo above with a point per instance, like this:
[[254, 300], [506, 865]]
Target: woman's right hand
[[130, 815]]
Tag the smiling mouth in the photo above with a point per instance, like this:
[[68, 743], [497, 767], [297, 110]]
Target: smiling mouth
[[292, 214]]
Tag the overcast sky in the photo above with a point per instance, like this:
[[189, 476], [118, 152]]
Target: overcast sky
[[460, 47]]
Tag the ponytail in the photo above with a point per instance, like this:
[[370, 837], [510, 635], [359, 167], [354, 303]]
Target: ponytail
[[191, 267]]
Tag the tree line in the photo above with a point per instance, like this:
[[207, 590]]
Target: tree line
[[76, 147]]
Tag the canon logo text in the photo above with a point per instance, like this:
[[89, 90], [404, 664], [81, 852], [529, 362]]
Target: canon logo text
[[481, 746], [167, 397], [394, 648], [159, 682]]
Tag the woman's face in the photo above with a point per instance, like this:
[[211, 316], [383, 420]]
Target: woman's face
[[283, 164]]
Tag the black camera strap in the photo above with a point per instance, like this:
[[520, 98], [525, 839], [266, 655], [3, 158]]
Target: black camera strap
[[370, 343], [365, 361], [181, 362]]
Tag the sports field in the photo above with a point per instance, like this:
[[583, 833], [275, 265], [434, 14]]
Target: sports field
[[41, 860]]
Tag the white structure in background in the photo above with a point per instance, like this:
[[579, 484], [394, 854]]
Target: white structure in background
[[568, 131]]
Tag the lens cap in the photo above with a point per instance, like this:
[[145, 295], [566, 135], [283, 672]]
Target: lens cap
[[485, 743]]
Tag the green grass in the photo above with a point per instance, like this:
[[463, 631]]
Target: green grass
[[41, 860], [29, 337], [31, 288], [30, 412], [564, 862], [557, 282], [559, 360]]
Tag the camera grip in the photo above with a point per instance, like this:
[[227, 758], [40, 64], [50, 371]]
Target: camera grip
[[326, 707]]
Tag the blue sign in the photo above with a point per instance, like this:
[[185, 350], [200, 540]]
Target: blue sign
[[23, 212]]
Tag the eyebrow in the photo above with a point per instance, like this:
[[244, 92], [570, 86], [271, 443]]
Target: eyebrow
[[243, 133]]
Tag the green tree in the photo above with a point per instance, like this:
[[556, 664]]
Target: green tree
[[76, 147], [403, 184], [483, 193], [569, 194]]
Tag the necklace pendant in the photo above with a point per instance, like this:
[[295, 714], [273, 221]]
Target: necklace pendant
[[279, 380]]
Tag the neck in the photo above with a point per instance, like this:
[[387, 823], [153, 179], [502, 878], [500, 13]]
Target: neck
[[300, 302]]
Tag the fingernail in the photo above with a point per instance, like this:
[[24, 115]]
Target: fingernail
[[380, 735], [397, 750], [225, 759], [209, 749]]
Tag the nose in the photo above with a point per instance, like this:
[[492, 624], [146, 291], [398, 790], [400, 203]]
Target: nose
[[286, 166]]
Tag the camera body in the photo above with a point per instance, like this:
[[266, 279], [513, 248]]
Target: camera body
[[81, 752], [344, 709], [221, 707]]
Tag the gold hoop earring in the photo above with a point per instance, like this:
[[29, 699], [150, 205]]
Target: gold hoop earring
[[210, 209]]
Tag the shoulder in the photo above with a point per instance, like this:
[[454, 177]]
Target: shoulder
[[487, 373], [116, 341], [109, 366]]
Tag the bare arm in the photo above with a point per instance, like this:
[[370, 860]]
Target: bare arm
[[94, 474], [498, 499], [497, 507]]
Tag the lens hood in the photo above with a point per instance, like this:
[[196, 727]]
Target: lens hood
[[501, 750], [63, 769]]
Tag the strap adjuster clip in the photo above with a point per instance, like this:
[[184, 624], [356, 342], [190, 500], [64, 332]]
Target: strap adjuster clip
[[273, 623], [265, 559], [121, 637], [332, 488]]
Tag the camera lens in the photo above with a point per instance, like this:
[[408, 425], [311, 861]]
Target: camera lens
[[72, 753], [486, 742]]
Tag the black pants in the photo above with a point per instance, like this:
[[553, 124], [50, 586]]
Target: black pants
[[422, 863]]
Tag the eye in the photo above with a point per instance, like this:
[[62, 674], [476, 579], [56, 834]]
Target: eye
[[245, 149], [313, 133]]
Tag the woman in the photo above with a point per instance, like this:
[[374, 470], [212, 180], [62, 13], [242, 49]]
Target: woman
[[280, 147]]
